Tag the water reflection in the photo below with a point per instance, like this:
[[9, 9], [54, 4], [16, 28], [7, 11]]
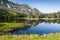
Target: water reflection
[[35, 26], [39, 27]]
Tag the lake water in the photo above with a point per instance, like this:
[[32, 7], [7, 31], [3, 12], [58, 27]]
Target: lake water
[[40, 27]]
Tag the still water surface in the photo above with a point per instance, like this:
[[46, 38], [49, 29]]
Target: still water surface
[[39, 27]]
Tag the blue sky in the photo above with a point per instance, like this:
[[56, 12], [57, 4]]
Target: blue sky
[[45, 6]]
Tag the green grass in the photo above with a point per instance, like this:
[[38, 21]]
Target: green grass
[[50, 36], [30, 18], [7, 26], [50, 18], [38, 18]]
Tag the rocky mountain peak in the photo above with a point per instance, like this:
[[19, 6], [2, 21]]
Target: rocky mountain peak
[[21, 8]]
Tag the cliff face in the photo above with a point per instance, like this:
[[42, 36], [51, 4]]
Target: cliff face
[[21, 8]]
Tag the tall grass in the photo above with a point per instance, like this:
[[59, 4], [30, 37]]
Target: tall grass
[[50, 36]]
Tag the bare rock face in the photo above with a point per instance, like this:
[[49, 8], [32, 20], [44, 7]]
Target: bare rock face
[[21, 8]]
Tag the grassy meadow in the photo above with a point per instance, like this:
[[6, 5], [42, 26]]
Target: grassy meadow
[[50, 36], [7, 26]]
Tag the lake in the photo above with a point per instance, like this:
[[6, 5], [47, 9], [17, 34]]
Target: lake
[[39, 27]]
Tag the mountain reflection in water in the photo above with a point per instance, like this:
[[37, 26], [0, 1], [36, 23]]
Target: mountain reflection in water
[[39, 27]]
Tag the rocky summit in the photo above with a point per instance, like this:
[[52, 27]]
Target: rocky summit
[[21, 8]]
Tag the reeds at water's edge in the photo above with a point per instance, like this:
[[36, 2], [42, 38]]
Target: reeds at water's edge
[[51, 36]]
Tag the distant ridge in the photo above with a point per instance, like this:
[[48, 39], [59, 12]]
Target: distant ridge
[[21, 8]]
